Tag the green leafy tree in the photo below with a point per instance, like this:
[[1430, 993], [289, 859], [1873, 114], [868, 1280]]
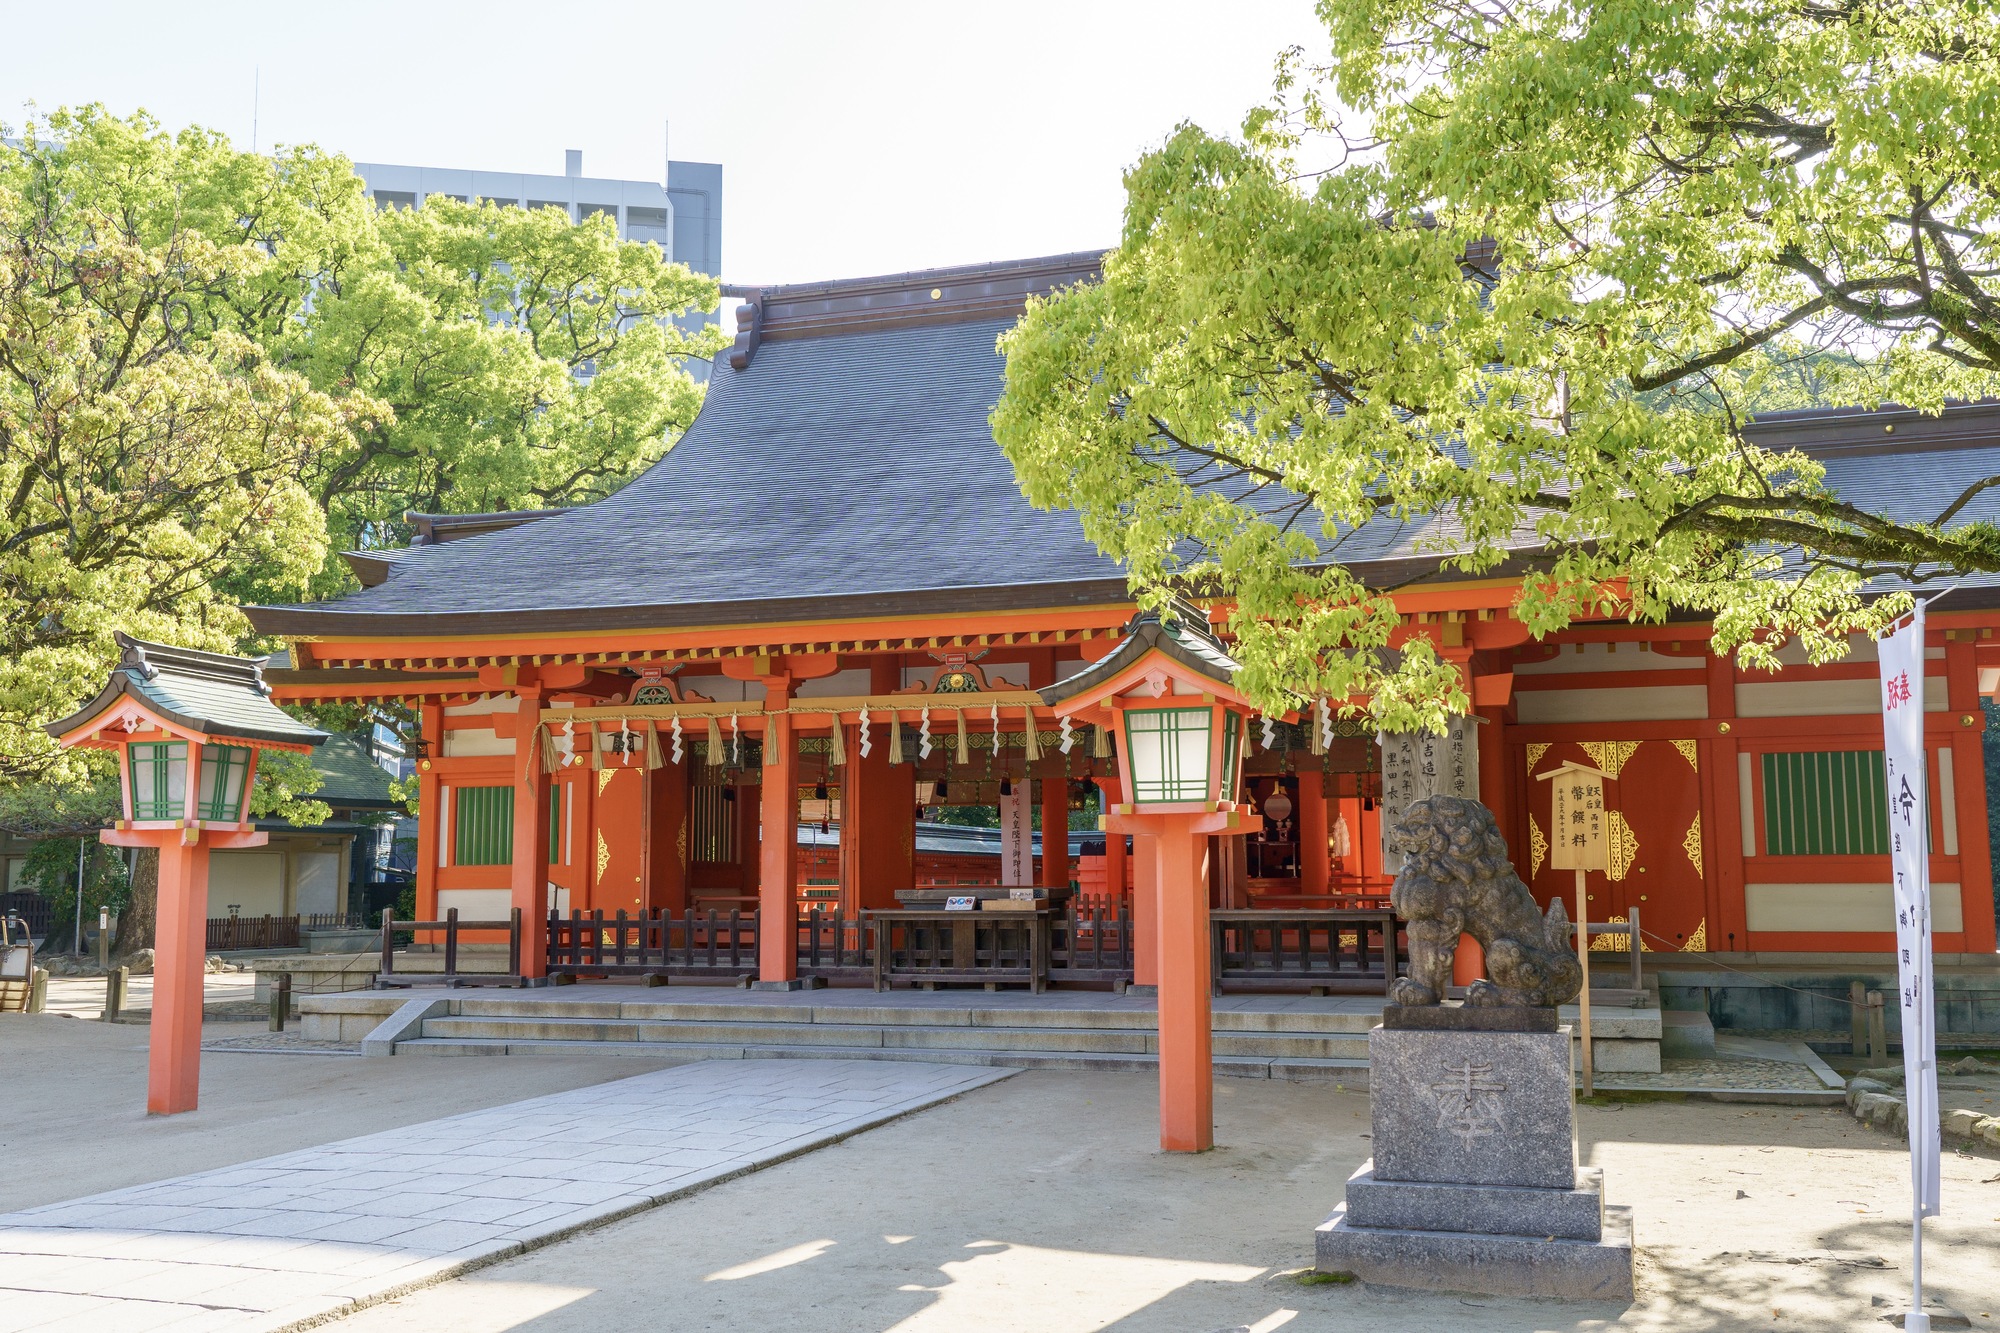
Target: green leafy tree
[[1511, 276], [218, 368], [51, 868]]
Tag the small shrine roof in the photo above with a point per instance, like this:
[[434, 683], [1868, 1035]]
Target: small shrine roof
[[213, 694]]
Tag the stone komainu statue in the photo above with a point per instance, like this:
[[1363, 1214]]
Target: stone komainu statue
[[1456, 879]]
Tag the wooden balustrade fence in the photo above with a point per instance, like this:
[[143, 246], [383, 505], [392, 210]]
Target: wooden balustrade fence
[[993, 948], [227, 933], [1092, 942], [389, 977], [694, 944], [1351, 949]]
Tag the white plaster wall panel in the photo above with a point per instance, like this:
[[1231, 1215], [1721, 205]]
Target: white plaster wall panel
[[1579, 657], [475, 904], [1817, 698], [316, 882], [468, 742], [853, 681], [498, 703], [253, 882], [1653, 703], [1841, 907]]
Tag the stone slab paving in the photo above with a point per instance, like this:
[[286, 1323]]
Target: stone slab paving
[[285, 1241]]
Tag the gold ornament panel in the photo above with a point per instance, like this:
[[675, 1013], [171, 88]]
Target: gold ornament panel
[[1536, 749], [1697, 942], [604, 779], [1614, 943], [1692, 843], [1610, 756], [1624, 847], [1538, 847], [603, 854], [1690, 751]]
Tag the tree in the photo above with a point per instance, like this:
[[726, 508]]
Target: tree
[[140, 461], [1512, 275], [217, 369]]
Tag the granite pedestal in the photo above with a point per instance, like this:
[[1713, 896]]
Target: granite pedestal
[[1474, 1185]]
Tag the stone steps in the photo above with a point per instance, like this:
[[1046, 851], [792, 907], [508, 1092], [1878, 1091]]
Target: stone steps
[[1348, 1072], [1026, 1036]]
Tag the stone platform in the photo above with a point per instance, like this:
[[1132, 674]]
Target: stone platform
[[1474, 1185]]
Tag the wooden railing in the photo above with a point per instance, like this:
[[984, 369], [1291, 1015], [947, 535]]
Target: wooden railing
[[226, 933], [833, 946], [694, 944], [33, 909], [450, 976], [1091, 942], [925, 948], [1345, 949]]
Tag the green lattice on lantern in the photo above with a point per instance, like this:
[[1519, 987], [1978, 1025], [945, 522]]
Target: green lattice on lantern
[[159, 779], [1169, 754], [225, 773]]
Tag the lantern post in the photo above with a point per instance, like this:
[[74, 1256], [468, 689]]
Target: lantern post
[[1166, 693], [188, 728]]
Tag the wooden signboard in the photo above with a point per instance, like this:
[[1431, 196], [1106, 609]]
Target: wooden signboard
[[1576, 825], [1577, 842]]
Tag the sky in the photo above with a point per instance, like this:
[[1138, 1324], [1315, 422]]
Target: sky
[[856, 138]]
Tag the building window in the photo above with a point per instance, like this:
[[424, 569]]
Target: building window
[[395, 199], [549, 203], [485, 826], [1169, 753], [711, 825], [591, 210], [1826, 803], [439, 194], [159, 779]]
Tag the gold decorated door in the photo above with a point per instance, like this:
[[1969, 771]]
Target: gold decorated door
[[1653, 802]]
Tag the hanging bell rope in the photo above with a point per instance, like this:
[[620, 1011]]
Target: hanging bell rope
[[1100, 743], [546, 744], [596, 747], [837, 742], [714, 742], [895, 737], [964, 742], [653, 757], [1031, 741]]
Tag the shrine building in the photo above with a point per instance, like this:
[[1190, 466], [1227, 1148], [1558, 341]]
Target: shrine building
[[742, 688]]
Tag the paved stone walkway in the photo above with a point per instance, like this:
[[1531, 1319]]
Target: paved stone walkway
[[270, 1244]]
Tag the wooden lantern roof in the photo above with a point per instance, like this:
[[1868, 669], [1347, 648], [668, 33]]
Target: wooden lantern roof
[[1178, 632], [187, 693]]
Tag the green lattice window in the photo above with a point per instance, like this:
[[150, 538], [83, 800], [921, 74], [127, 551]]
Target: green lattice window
[[1169, 753], [1232, 740], [484, 826], [224, 770], [159, 779], [1826, 803], [556, 790]]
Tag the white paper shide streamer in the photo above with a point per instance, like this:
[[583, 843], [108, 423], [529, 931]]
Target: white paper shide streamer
[[679, 749], [866, 743], [1068, 736], [924, 734]]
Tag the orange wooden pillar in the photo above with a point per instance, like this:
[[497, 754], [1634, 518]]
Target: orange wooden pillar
[[1115, 887], [877, 823], [1968, 775], [666, 886], [173, 1058], [1055, 831], [1313, 855], [528, 873], [1145, 909], [777, 890], [1187, 1074], [430, 812]]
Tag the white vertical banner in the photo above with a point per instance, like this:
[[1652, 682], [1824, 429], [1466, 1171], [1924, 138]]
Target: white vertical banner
[[1902, 656], [1017, 834]]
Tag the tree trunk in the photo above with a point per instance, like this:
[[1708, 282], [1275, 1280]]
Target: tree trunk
[[135, 923]]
